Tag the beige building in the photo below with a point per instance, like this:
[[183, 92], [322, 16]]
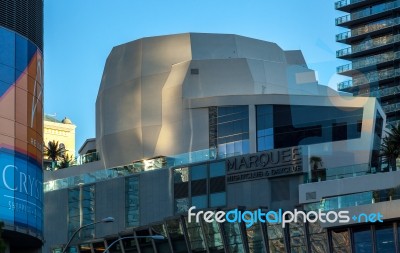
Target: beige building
[[62, 131]]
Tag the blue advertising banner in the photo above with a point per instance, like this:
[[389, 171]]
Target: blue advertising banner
[[21, 191]]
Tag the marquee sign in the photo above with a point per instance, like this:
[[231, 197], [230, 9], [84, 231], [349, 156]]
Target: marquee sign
[[266, 164]]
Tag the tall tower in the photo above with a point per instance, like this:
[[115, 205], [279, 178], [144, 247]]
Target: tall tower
[[374, 52], [21, 123]]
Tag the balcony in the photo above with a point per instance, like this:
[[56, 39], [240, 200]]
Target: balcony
[[368, 45], [87, 158], [367, 29], [342, 3], [366, 62], [347, 5], [370, 77], [391, 108], [350, 19], [381, 93]]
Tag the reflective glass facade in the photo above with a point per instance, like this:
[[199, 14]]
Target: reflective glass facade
[[229, 130], [280, 126], [373, 37], [81, 211], [201, 185], [132, 201]]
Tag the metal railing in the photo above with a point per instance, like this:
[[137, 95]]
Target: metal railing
[[369, 44], [391, 108], [341, 172], [161, 162], [343, 3], [366, 12], [369, 61], [87, 158], [371, 77], [368, 28], [381, 92]]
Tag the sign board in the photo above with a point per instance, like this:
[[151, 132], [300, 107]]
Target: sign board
[[266, 164]]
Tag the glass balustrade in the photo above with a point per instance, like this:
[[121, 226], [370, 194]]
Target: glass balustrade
[[369, 11], [369, 44], [342, 3], [370, 77], [368, 28]]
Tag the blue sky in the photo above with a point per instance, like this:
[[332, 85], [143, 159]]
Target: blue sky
[[79, 35]]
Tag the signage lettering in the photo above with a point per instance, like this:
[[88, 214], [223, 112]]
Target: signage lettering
[[271, 163]]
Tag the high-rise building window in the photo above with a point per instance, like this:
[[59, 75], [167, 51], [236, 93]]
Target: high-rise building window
[[132, 201], [230, 127], [81, 210]]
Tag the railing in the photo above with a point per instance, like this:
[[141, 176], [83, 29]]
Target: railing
[[369, 44], [369, 61], [136, 167], [340, 172], [391, 108], [342, 3], [366, 12], [87, 158], [368, 28], [371, 77], [356, 199], [382, 92]]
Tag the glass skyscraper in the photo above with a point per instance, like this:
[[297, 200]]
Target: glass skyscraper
[[373, 39]]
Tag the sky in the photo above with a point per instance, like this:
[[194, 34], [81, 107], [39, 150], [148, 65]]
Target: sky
[[79, 35]]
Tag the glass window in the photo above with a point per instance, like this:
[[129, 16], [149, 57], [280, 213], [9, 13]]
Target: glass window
[[132, 201], [341, 241], [7, 48], [285, 126], [213, 236], [217, 169], [218, 199], [233, 237], [161, 245], [255, 238], [362, 240], [276, 239], [175, 232], [297, 237], [230, 128], [318, 238], [385, 239], [196, 236], [200, 201], [81, 210], [198, 172], [181, 175], [181, 205]]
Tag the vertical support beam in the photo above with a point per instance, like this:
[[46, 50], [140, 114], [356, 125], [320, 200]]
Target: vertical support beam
[[152, 241], [137, 242], [252, 129], [168, 237], [264, 233], [223, 237], [396, 237], [185, 234]]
